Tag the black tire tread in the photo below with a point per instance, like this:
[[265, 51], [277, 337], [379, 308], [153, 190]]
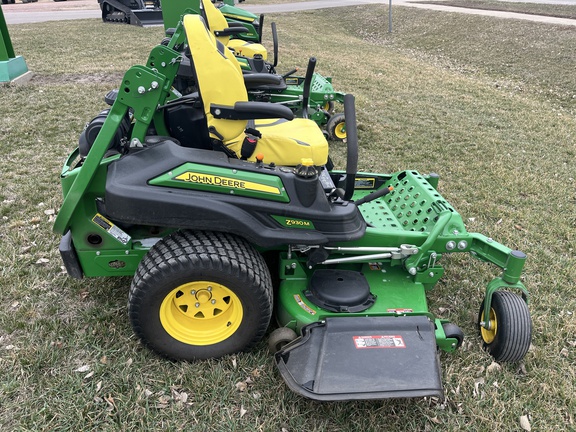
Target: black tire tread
[[332, 123], [514, 332], [219, 252], [453, 331]]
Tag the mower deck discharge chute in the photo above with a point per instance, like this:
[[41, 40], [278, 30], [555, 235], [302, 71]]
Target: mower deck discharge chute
[[203, 220]]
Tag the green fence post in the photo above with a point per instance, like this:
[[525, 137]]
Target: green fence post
[[11, 66]]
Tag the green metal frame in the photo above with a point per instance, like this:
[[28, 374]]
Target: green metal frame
[[143, 89]]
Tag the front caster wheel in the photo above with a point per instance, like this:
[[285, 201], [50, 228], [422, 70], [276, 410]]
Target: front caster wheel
[[279, 338], [328, 107], [510, 332], [199, 295], [455, 332], [336, 127]]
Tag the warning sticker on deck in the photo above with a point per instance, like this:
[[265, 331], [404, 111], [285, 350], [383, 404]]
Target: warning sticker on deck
[[111, 229], [379, 341], [304, 305]]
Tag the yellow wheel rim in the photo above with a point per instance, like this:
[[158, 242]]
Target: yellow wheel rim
[[340, 131], [201, 313], [327, 106], [489, 334]]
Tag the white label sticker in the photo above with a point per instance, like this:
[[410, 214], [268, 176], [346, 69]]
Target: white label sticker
[[379, 341]]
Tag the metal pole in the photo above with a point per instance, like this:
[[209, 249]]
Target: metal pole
[[11, 65], [6, 50], [389, 16]]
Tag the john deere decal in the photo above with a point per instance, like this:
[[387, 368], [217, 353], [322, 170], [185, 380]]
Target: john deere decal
[[207, 179], [224, 180]]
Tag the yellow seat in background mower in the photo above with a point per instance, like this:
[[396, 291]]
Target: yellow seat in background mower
[[221, 85], [216, 22]]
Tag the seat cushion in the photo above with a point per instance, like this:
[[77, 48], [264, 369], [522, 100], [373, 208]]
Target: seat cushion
[[286, 142], [247, 49]]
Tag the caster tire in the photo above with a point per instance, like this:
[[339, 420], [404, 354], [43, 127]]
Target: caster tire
[[336, 127], [199, 295], [279, 338], [510, 334], [328, 107], [453, 331]]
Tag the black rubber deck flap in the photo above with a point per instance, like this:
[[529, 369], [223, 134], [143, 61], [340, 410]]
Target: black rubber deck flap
[[354, 358]]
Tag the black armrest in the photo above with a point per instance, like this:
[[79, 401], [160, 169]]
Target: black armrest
[[258, 79], [231, 31], [251, 111], [235, 24]]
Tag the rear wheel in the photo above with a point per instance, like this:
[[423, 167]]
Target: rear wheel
[[510, 332], [336, 127], [199, 295]]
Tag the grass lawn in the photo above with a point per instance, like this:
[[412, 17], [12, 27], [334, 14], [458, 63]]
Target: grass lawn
[[555, 10], [486, 103]]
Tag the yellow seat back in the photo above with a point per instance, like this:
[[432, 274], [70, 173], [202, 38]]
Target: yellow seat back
[[218, 76], [216, 21], [220, 82]]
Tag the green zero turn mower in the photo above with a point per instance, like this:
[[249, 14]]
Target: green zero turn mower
[[246, 220]]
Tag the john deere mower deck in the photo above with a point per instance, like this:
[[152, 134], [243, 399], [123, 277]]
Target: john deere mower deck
[[203, 220]]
